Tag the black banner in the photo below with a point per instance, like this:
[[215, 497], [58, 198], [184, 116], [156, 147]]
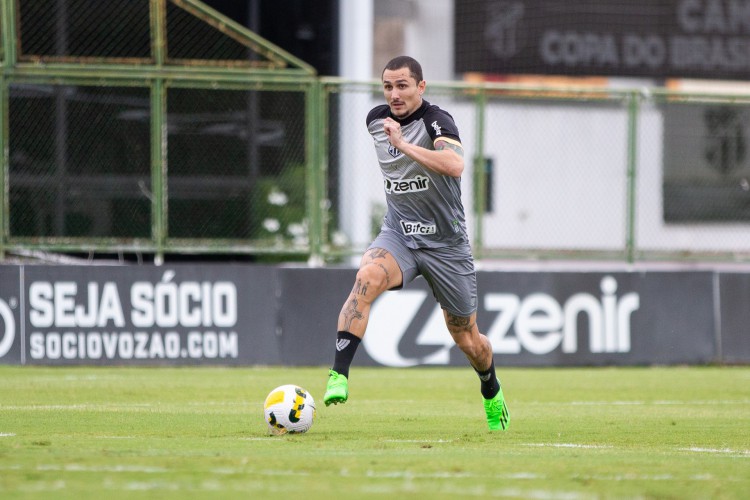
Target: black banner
[[11, 298], [181, 314], [642, 38], [532, 319], [263, 315], [559, 319], [734, 297]]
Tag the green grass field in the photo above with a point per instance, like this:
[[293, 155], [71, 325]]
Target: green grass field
[[413, 433]]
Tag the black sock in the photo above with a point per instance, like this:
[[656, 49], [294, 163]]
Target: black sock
[[489, 383], [346, 346]]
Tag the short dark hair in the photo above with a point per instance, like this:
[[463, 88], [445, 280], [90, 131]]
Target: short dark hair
[[415, 69]]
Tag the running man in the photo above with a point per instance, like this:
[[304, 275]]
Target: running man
[[423, 233]]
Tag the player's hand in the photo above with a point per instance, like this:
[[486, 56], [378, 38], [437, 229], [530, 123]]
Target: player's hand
[[392, 129]]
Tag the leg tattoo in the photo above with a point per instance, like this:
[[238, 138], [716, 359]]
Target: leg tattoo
[[373, 255], [350, 313], [456, 323], [359, 288], [376, 253], [474, 345]]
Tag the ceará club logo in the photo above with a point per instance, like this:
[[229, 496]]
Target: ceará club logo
[[7, 328]]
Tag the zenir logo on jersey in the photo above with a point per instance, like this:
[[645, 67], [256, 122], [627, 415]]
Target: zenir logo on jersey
[[437, 128], [413, 185], [393, 151]]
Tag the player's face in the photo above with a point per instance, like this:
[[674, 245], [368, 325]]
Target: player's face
[[402, 92]]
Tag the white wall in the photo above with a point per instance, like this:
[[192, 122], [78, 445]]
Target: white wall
[[560, 176], [429, 38], [357, 175]]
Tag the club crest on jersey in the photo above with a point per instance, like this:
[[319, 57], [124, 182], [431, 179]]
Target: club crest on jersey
[[436, 127], [393, 151]]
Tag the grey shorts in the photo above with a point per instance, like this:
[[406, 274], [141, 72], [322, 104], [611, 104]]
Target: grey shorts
[[448, 270]]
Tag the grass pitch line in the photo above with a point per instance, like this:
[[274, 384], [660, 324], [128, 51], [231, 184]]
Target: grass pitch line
[[401, 474], [100, 468], [268, 438], [426, 441], [570, 445], [6, 434], [484, 492], [257, 472], [86, 407], [624, 477], [728, 451], [704, 402], [152, 485], [44, 486]]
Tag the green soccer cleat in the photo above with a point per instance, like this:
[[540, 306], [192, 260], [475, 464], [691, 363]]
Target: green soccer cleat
[[497, 412], [337, 390]]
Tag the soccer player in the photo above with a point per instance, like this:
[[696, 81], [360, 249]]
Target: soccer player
[[423, 232]]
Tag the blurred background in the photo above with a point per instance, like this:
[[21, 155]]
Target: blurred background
[[234, 129]]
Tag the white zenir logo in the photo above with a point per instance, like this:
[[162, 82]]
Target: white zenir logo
[[390, 317], [9, 333], [541, 324], [436, 127], [410, 228], [401, 186], [537, 323]]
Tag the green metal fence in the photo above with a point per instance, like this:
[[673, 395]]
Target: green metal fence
[[152, 126], [576, 173], [161, 127]]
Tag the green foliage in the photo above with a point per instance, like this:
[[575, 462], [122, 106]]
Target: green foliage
[[416, 433], [280, 210]]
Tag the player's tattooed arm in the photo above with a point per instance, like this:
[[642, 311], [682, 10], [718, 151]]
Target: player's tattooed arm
[[439, 158], [446, 157], [441, 145]]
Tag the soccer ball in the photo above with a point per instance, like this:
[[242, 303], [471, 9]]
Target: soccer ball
[[289, 408]]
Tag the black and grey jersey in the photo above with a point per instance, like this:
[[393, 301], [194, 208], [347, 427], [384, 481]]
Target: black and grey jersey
[[424, 206]]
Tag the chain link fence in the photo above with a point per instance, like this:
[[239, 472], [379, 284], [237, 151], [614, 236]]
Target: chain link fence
[[79, 161], [71, 30], [159, 126], [694, 182], [572, 173], [151, 126], [236, 165]]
